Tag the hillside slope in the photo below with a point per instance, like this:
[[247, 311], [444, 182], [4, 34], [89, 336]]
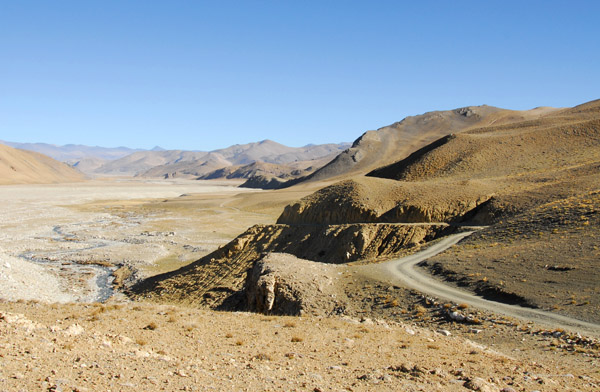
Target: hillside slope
[[27, 167], [389, 144], [141, 161]]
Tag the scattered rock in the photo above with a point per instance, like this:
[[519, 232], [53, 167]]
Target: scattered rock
[[479, 384], [74, 330]]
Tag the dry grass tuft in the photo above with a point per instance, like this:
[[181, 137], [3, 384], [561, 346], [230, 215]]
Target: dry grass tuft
[[141, 342]]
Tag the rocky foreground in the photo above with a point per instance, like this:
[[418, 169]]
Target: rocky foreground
[[132, 346]]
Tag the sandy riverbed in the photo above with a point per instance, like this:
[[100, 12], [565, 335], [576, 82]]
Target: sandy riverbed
[[60, 243]]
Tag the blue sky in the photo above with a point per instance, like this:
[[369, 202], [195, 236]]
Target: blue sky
[[205, 75]]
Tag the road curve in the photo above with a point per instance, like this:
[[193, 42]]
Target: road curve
[[403, 271]]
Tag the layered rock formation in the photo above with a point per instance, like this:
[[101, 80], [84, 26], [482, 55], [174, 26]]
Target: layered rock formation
[[218, 278]]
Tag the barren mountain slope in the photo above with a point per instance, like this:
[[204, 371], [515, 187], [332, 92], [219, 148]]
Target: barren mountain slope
[[27, 167], [388, 144], [259, 168], [554, 142], [536, 184], [186, 168], [273, 152], [88, 165], [142, 161], [266, 151]]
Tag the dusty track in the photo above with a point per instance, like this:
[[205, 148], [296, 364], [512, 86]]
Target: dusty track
[[402, 270]]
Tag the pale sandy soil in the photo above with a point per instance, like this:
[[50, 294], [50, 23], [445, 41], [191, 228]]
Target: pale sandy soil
[[61, 242], [143, 347]]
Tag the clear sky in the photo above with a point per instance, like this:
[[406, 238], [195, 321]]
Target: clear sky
[[207, 74]]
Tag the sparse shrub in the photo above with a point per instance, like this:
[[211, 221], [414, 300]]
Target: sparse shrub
[[463, 306], [141, 342], [228, 335], [420, 311], [239, 342], [262, 357], [297, 339], [475, 320], [290, 324], [151, 327]]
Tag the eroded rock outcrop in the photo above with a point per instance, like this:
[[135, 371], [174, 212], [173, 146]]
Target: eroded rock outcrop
[[286, 285], [220, 276]]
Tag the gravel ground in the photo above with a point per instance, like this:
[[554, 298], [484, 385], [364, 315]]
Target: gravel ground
[[52, 250]]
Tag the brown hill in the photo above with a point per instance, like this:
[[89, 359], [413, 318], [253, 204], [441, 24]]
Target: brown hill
[[391, 143], [267, 175], [27, 167], [185, 168], [553, 142], [261, 168]]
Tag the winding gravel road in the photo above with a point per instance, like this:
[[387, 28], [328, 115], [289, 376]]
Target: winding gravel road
[[403, 271]]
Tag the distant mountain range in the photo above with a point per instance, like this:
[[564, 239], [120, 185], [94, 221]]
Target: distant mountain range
[[72, 153], [266, 158], [266, 151]]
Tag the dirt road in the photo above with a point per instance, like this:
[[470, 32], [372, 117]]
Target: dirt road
[[403, 271]]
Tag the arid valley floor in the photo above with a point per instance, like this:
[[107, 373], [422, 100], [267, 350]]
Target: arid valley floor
[[61, 243]]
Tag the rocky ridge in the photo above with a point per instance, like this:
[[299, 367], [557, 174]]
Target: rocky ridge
[[218, 279]]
